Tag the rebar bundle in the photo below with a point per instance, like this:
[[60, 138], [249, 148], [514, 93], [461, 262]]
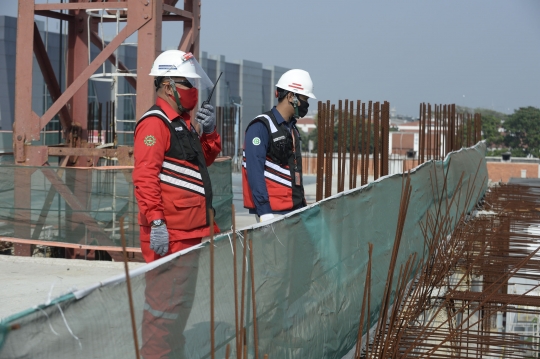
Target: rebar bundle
[[462, 301], [441, 130], [364, 147]]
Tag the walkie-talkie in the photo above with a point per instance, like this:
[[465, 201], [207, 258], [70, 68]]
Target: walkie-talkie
[[207, 101]]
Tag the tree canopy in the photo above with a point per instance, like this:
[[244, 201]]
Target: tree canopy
[[523, 131]]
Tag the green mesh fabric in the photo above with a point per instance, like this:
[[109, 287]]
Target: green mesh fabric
[[309, 270], [87, 205]]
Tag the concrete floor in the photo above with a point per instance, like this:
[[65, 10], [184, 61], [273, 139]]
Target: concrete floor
[[27, 282]]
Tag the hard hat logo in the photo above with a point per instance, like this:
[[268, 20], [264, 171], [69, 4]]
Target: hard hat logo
[[296, 86], [166, 67]]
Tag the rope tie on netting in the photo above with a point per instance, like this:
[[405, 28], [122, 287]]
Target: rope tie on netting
[[67, 326]]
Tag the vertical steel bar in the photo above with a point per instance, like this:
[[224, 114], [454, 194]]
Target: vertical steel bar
[[436, 139], [329, 149], [149, 39], [370, 108], [351, 144], [469, 130], [107, 113], [344, 145], [128, 285], [437, 151], [22, 129], [364, 302], [236, 319], [365, 158], [386, 137], [376, 140], [340, 138], [453, 129], [429, 134], [320, 149], [100, 122], [212, 331], [242, 293], [441, 148], [356, 135], [255, 332], [424, 134], [420, 136], [77, 54], [445, 131]]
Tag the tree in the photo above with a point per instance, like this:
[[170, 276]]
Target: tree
[[523, 131], [490, 130]]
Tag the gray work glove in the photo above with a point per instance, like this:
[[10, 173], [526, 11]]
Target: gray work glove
[[159, 240], [206, 118]]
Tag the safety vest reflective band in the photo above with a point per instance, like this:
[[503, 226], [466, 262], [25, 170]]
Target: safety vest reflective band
[[186, 191], [279, 167], [273, 172]]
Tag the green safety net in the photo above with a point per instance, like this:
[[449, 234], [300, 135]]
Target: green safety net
[[309, 273], [85, 206]]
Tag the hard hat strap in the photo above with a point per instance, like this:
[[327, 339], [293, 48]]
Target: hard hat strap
[[295, 106], [173, 85]]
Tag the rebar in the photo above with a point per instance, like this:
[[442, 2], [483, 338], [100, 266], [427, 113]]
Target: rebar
[[340, 143], [329, 149], [439, 313], [365, 147], [368, 140], [321, 124], [212, 331], [236, 319], [128, 285], [376, 144], [242, 294], [356, 139], [251, 269]]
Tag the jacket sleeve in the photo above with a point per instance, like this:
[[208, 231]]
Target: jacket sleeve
[[152, 140], [211, 145], [255, 162]]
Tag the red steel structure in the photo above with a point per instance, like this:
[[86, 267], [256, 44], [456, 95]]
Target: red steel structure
[[143, 17]]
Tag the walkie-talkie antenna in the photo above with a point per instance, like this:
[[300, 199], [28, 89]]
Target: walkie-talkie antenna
[[212, 92]]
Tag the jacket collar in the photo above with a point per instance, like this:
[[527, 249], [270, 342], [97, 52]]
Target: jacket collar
[[280, 119]]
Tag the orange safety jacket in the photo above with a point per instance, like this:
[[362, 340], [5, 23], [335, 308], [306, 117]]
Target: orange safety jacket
[[186, 190], [282, 168]]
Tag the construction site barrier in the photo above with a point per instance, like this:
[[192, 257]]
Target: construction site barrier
[[88, 208], [308, 270]]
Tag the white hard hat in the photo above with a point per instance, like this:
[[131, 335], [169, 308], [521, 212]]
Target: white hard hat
[[297, 81], [176, 63]]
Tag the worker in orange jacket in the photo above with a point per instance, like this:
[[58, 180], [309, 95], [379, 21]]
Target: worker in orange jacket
[[174, 195]]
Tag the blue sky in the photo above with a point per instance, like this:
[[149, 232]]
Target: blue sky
[[482, 53]]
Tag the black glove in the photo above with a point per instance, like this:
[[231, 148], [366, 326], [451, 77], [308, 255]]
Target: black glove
[[159, 240], [206, 118]]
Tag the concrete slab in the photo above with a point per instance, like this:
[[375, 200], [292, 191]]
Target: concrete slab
[[29, 281]]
